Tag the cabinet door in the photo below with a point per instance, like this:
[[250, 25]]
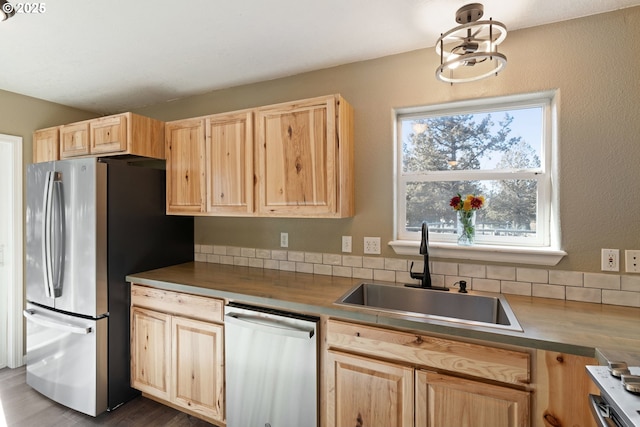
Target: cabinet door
[[46, 145], [297, 156], [108, 134], [229, 154], [150, 352], [74, 140], [446, 401], [367, 392], [185, 151], [197, 374]]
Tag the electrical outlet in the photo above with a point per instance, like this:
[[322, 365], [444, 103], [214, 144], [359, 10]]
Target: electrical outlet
[[632, 261], [372, 245], [610, 260], [346, 244], [284, 240]]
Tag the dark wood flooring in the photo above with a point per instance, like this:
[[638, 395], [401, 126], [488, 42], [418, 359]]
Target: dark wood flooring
[[20, 405]]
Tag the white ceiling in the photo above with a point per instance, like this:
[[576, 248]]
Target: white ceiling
[[116, 55]]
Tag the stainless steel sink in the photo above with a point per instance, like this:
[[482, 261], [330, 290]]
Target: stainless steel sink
[[470, 309]]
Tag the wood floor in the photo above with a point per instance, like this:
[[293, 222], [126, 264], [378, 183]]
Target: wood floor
[[20, 405]]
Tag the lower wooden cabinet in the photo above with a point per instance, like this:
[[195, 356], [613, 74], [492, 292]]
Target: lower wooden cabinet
[[177, 350], [448, 401], [368, 392]]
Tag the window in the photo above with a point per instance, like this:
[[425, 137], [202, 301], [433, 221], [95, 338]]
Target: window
[[500, 148]]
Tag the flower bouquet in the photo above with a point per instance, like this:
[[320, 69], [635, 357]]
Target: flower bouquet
[[466, 209]]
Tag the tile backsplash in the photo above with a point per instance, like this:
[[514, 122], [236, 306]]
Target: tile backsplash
[[602, 288]]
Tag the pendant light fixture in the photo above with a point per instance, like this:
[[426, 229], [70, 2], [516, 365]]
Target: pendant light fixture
[[469, 52]]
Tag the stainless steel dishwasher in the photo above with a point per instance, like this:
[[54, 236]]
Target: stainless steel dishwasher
[[271, 368]]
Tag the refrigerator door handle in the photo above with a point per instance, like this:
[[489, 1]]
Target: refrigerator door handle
[[52, 288], [31, 315]]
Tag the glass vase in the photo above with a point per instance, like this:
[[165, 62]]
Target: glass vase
[[466, 227]]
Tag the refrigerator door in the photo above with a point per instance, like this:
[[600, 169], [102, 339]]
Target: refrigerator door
[[67, 358], [66, 236]]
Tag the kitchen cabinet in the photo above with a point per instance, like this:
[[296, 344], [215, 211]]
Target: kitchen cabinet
[[456, 383], [305, 158], [125, 133], [562, 386], [46, 145], [177, 350], [368, 392], [446, 400], [210, 165]]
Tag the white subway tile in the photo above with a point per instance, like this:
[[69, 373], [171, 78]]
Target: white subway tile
[[213, 259], [322, 269], [584, 294], [226, 259], [219, 250], [240, 261], [446, 268], [287, 266], [404, 277], [304, 267], [313, 257], [248, 252], [395, 264], [534, 275], [295, 256], [256, 262], [198, 257], [372, 262], [516, 288], [332, 259], [352, 261], [272, 264], [279, 255], [338, 270], [472, 270], [628, 299], [543, 290], [485, 285], [602, 281], [206, 249], [566, 278], [363, 273], [630, 283], [233, 251], [384, 275], [500, 272], [263, 253]]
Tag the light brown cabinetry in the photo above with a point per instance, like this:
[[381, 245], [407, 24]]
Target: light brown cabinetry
[[210, 165], [291, 160], [125, 133], [46, 145], [449, 401], [305, 158], [177, 350], [368, 392], [456, 383]]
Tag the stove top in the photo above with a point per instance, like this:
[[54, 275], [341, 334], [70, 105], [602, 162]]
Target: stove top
[[612, 389]]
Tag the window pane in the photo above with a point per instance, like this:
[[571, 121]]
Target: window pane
[[477, 141], [510, 207]]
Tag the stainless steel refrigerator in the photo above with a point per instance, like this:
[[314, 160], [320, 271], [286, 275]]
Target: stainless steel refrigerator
[[89, 223]]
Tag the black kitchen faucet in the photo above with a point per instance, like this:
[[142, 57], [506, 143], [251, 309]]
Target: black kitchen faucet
[[425, 276]]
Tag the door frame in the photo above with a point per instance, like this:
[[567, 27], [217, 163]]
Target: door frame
[[15, 290]]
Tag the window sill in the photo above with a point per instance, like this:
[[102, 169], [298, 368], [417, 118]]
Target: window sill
[[495, 253]]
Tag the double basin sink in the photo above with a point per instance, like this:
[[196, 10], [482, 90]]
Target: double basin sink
[[471, 309]]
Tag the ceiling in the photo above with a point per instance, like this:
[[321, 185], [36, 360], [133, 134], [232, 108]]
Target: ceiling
[[117, 55]]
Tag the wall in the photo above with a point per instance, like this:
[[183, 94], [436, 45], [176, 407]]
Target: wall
[[592, 61], [21, 115]]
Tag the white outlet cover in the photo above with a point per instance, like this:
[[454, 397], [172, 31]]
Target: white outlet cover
[[372, 245], [610, 260], [632, 261]]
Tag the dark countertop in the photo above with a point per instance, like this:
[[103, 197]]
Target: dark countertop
[[548, 324]]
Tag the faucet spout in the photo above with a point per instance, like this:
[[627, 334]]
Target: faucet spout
[[425, 276]]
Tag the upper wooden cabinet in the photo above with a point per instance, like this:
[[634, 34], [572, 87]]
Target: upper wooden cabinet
[[286, 160], [210, 165], [46, 145], [305, 158], [125, 133]]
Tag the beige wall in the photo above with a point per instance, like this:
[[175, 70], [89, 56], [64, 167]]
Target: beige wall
[[594, 64], [20, 115]]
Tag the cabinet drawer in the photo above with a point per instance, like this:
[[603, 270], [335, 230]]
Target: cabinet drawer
[[188, 305], [457, 357]]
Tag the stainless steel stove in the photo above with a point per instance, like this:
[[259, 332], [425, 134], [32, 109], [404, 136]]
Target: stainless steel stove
[[619, 401]]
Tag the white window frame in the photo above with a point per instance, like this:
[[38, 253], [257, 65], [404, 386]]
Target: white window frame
[[545, 250]]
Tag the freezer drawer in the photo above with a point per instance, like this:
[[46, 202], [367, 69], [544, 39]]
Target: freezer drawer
[[67, 358], [271, 369]]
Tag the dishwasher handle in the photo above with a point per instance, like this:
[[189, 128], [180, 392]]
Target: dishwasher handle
[[267, 325], [600, 411]]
